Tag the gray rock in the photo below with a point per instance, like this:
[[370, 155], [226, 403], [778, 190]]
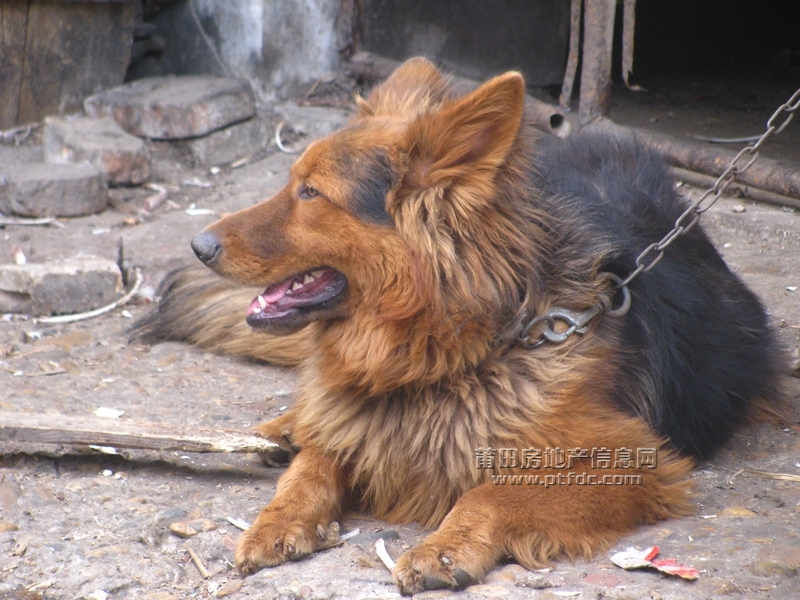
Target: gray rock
[[231, 143], [175, 107], [64, 287], [124, 158], [44, 190]]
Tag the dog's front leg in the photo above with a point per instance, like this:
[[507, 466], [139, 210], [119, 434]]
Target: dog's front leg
[[300, 519], [534, 523]]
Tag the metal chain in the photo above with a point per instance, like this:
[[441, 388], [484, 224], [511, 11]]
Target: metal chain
[[722, 183], [576, 321]]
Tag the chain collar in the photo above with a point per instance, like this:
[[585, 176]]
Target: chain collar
[[576, 321]]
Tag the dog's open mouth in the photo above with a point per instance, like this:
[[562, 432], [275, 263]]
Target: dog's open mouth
[[299, 293]]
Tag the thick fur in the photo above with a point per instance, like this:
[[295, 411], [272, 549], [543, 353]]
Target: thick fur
[[449, 218]]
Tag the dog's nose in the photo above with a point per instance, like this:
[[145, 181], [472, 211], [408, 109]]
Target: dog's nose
[[206, 246]]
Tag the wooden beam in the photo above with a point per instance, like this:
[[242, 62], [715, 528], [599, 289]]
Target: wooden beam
[[120, 433]]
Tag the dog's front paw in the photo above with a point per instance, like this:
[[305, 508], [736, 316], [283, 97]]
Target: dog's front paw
[[273, 539], [429, 567]]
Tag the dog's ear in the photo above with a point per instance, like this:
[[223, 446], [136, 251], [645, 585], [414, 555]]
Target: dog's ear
[[469, 136], [413, 87]]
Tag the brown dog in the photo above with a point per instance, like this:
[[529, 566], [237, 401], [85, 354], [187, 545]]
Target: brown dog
[[400, 262]]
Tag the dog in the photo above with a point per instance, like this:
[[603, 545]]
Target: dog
[[448, 283]]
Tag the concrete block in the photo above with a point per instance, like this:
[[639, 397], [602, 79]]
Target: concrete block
[[63, 287], [44, 190], [175, 107], [231, 143], [124, 158]]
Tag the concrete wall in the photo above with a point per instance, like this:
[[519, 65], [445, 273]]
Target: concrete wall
[[474, 38], [281, 46]]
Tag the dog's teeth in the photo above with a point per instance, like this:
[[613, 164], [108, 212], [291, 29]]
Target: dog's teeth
[[257, 310], [297, 285], [261, 302], [316, 274], [307, 279]]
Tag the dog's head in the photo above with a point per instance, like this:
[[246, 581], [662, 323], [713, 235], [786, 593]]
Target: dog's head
[[395, 214]]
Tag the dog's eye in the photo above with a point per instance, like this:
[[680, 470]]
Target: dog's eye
[[307, 192]]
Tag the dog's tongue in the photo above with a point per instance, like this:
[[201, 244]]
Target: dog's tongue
[[319, 286], [271, 295], [275, 292]]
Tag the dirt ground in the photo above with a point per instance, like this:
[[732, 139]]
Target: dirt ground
[[76, 523]]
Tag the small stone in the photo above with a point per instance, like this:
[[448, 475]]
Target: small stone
[[366, 540], [186, 529], [739, 208], [231, 143], [33, 189], [229, 588], [6, 526], [124, 158], [175, 107], [737, 511], [63, 287], [168, 514]]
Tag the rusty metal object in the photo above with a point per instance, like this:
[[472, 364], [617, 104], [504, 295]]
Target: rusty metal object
[[598, 36], [575, 10], [628, 29], [372, 68]]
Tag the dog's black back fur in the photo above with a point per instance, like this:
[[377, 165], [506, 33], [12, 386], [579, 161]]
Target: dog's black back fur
[[696, 339]]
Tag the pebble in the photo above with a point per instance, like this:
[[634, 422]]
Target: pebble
[[229, 588], [737, 511], [187, 529], [6, 526]]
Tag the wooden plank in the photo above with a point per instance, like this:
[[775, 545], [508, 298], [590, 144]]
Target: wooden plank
[[13, 23], [120, 433], [72, 50]]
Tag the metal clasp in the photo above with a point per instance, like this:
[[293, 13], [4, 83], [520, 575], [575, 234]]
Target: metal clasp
[[576, 320]]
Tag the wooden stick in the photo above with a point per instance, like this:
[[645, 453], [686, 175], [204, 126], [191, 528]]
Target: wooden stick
[[198, 563], [95, 431], [745, 191], [781, 177]]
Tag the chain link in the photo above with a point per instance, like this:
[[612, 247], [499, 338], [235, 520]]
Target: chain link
[[702, 204]]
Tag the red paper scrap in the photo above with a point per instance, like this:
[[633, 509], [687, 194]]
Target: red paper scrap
[[638, 559]]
